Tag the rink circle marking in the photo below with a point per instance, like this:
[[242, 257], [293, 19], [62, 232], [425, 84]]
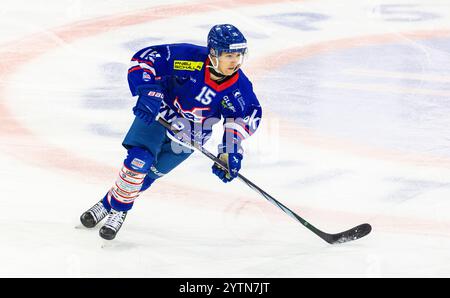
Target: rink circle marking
[[15, 54], [36, 46], [25, 145], [11, 127], [322, 141]]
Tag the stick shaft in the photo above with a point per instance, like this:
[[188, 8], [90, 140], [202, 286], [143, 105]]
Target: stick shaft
[[248, 182]]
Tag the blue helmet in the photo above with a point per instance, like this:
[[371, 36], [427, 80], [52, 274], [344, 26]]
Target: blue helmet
[[226, 38]]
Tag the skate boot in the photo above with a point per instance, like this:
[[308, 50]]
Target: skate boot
[[93, 215], [113, 224]]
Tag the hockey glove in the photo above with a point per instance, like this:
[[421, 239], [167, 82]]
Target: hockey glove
[[148, 103], [233, 164]]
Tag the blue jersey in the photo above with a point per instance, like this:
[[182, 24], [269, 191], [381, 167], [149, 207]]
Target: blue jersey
[[190, 94]]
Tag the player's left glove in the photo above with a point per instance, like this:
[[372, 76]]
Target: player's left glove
[[148, 103], [233, 164]]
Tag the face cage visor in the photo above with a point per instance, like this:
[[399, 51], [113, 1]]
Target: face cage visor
[[221, 55]]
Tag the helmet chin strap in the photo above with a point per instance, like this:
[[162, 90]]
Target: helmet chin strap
[[215, 66]]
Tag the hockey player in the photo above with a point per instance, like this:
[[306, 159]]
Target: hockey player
[[192, 87]]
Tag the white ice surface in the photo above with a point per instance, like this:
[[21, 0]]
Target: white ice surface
[[359, 142]]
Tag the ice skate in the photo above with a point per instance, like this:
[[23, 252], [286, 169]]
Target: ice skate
[[113, 224], [94, 215]]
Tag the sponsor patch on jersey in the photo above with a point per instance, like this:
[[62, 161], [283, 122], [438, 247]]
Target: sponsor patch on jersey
[[146, 76], [227, 104], [156, 94], [252, 121], [241, 103], [187, 65], [154, 54]]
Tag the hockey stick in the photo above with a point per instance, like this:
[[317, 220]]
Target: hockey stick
[[349, 235]]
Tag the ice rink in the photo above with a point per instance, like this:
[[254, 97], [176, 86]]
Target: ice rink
[[355, 128]]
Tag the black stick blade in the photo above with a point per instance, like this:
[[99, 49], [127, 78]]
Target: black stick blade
[[349, 235]]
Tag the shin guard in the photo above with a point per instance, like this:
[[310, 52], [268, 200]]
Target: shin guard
[[131, 179]]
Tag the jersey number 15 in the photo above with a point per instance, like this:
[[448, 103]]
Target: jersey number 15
[[206, 96]]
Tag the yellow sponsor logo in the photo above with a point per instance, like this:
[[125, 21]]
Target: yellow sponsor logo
[[187, 65]]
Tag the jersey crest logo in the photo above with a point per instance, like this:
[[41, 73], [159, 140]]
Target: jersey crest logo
[[194, 115], [187, 65]]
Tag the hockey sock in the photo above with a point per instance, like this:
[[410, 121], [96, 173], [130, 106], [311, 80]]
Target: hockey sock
[[131, 179]]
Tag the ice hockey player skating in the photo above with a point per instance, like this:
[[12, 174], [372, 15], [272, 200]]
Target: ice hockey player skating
[[192, 87]]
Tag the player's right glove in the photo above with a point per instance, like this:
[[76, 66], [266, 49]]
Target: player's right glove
[[233, 163], [231, 157], [230, 153], [148, 103]]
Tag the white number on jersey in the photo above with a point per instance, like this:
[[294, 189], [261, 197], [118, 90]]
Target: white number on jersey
[[206, 96]]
